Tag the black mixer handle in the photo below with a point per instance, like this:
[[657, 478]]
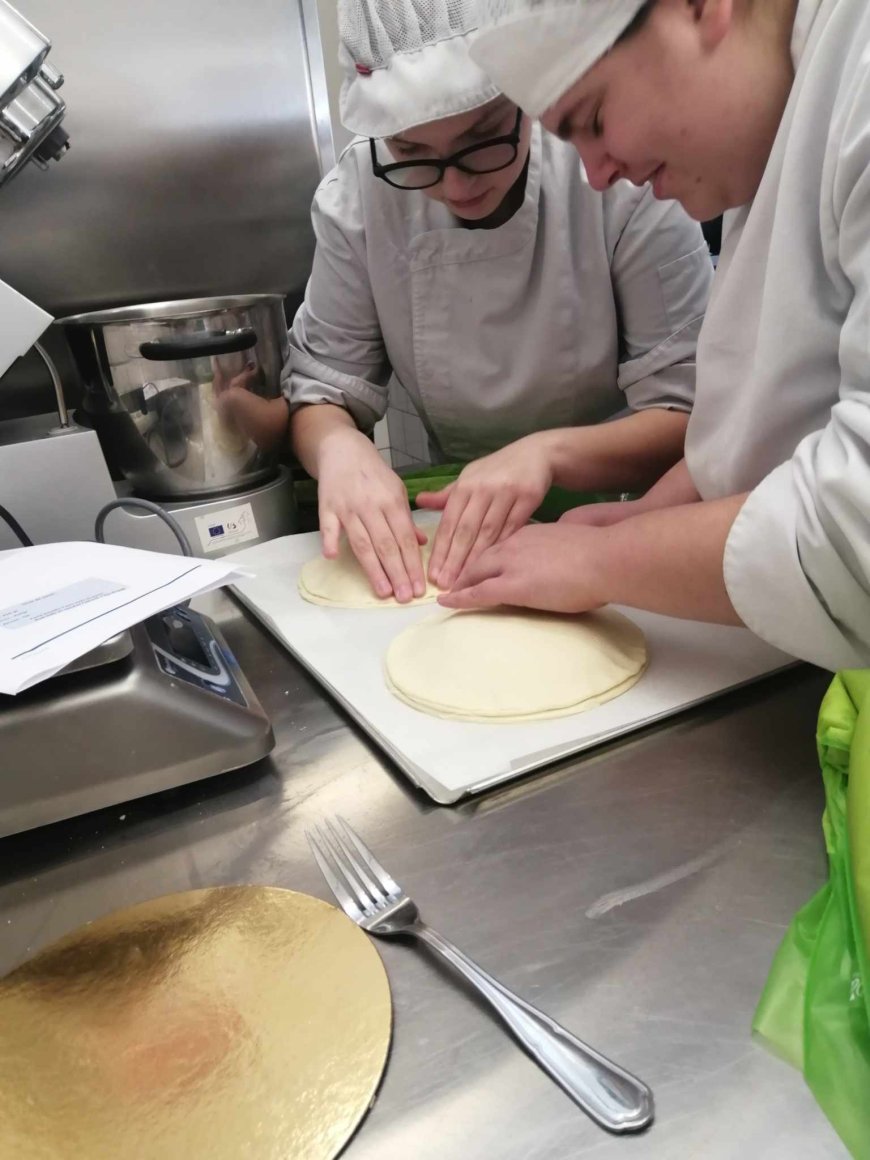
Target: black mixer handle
[[199, 345]]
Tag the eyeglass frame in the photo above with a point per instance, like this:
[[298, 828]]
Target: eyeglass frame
[[452, 162]]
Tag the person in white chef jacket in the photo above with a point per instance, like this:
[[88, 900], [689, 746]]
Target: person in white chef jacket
[[515, 305], [761, 109]]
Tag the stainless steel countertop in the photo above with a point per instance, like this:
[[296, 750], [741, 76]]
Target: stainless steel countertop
[[637, 895]]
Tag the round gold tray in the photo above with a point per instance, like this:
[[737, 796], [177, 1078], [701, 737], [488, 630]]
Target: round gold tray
[[224, 1023]]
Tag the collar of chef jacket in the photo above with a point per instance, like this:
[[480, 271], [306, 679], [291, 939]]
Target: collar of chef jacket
[[448, 243]]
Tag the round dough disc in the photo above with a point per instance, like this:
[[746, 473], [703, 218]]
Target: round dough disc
[[515, 665], [210, 1025], [343, 584]]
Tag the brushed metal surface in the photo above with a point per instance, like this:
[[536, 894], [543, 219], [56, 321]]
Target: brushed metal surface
[[196, 148], [90, 739], [370, 896], [637, 894], [182, 393]]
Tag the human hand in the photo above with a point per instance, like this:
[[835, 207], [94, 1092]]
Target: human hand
[[361, 495], [551, 567], [492, 498]]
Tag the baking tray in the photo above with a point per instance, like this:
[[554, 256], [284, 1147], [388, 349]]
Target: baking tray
[[344, 650]]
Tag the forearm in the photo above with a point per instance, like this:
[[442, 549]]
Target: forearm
[[311, 427], [673, 489], [670, 561], [629, 453]]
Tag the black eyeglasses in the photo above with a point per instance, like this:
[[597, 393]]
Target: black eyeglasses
[[487, 157]]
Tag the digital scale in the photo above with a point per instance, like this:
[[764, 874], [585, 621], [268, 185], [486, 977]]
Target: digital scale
[[159, 706]]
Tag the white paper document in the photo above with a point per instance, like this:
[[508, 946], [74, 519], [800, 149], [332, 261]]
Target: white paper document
[[59, 601]]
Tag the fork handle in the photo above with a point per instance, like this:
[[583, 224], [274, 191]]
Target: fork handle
[[613, 1097]]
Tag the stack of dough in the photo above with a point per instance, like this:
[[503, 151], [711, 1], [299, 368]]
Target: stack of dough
[[515, 665], [343, 584]]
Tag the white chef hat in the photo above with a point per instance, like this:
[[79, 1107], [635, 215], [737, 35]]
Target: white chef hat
[[535, 50], [406, 62]]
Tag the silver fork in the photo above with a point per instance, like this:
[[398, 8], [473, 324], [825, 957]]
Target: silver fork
[[613, 1097]]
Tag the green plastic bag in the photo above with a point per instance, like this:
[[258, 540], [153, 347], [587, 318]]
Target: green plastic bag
[[815, 1008]]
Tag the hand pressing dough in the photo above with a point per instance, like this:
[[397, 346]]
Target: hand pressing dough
[[514, 665], [343, 584]]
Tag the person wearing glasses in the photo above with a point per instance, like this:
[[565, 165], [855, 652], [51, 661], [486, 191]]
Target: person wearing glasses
[[463, 253]]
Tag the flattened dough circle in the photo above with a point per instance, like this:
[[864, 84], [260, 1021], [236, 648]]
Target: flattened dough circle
[[343, 584], [514, 665]]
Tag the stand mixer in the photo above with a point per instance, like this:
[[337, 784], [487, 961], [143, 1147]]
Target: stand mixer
[[156, 707], [186, 400], [148, 408]]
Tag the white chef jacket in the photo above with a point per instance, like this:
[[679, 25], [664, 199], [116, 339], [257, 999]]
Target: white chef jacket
[[783, 399], [573, 309]]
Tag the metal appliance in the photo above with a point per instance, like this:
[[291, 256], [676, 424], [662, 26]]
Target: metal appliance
[[200, 131], [162, 705], [30, 109], [191, 175], [185, 398], [32, 459], [30, 117], [183, 394]]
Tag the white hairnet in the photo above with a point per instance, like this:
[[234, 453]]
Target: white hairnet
[[535, 50], [406, 62]]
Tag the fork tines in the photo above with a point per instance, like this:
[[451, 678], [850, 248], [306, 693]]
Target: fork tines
[[356, 877]]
